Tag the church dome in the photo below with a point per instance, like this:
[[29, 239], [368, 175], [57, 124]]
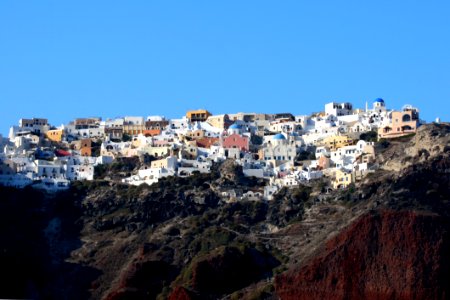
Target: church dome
[[279, 136], [235, 126]]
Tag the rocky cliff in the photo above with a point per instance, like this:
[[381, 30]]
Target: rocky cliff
[[398, 247], [385, 238], [383, 255]]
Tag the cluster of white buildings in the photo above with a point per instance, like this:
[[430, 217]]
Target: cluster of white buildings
[[266, 146]]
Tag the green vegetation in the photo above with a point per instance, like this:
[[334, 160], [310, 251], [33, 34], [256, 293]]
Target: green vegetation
[[210, 239], [370, 136], [256, 139], [100, 171], [288, 205], [126, 137], [306, 155], [96, 146], [384, 143]]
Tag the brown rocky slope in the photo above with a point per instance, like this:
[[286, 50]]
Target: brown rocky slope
[[399, 248], [383, 255], [385, 237]]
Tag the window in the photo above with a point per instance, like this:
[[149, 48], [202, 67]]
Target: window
[[406, 118]]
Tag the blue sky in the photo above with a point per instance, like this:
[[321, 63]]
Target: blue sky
[[67, 59]]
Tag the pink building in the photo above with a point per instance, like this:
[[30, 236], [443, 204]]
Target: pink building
[[402, 123], [236, 141]]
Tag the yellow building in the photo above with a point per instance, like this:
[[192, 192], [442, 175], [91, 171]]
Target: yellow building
[[200, 115], [55, 135], [342, 179], [337, 141]]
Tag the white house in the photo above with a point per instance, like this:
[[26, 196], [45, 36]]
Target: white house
[[278, 150], [309, 174], [270, 190], [338, 109], [148, 176], [129, 120], [113, 123]]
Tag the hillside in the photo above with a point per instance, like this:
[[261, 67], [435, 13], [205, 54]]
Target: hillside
[[386, 237]]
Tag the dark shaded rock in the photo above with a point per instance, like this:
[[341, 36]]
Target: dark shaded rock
[[143, 280], [230, 269]]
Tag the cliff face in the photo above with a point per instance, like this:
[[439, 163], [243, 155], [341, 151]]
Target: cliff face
[[398, 248], [387, 238], [383, 255]]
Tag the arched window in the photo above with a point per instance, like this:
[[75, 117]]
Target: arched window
[[406, 128], [406, 118]]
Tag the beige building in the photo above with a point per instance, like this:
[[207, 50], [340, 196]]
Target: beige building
[[134, 129], [155, 151], [189, 151], [81, 123], [367, 152], [219, 121], [37, 125], [248, 117], [168, 162], [402, 123], [32, 122], [196, 134]]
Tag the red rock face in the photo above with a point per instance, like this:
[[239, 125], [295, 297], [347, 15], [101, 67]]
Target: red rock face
[[384, 255], [180, 293]]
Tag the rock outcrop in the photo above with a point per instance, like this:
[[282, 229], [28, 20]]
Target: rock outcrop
[[383, 255]]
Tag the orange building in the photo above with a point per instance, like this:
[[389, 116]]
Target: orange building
[[86, 147], [151, 132], [206, 142], [200, 115]]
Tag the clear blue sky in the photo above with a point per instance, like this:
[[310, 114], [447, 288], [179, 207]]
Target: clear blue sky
[[67, 59]]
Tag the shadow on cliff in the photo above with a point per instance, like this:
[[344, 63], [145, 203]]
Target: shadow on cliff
[[37, 234]]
